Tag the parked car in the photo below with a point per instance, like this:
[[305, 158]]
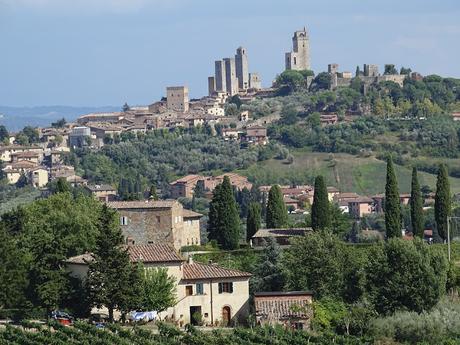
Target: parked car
[[62, 317]]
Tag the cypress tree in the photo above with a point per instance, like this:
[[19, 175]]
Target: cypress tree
[[110, 273], [224, 220], [416, 206], [320, 213], [253, 220], [276, 213], [153, 192], [442, 202], [392, 203]]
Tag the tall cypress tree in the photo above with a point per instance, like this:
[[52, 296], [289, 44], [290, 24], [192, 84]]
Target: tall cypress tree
[[224, 220], [416, 206], [253, 219], [320, 212], [442, 202], [276, 213], [392, 203], [110, 274]]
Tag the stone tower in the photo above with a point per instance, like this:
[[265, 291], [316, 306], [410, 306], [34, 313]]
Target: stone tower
[[230, 74], [299, 57], [241, 65], [220, 77]]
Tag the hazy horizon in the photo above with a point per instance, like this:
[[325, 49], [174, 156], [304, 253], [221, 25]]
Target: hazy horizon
[[106, 52]]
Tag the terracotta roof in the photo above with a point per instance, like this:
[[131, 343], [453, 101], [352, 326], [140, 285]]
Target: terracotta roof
[[23, 164], [141, 204], [188, 178], [270, 307], [147, 253], [360, 200], [26, 154], [191, 214], [264, 233], [100, 187], [193, 271], [154, 253]]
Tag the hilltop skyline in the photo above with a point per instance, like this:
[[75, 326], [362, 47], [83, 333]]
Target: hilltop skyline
[[108, 52]]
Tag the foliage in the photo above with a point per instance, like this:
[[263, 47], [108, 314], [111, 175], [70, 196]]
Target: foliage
[[392, 203], [442, 203], [224, 221], [276, 213], [320, 210], [253, 220], [268, 273], [13, 277], [405, 275], [109, 281], [159, 290], [416, 207], [433, 327], [160, 156]]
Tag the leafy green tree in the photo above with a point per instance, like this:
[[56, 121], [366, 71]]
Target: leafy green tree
[[13, 274], [253, 220], [108, 282], [31, 133], [125, 107], [268, 274], [276, 213], [320, 209], [62, 186], [235, 99], [322, 81], [442, 202], [22, 181], [405, 71], [224, 220], [159, 290], [198, 191], [153, 192], [354, 233], [59, 123], [392, 203], [3, 133], [405, 275], [416, 206], [390, 69], [316, 262]]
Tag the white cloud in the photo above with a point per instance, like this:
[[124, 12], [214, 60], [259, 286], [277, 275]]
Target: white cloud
[[90, 6]]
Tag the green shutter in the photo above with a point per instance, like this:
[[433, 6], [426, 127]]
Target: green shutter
[[220, 287]]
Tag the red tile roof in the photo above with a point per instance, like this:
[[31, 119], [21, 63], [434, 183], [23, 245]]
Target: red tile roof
[[141, 204], [147, 253], [191, 214], [153, 253], [196, 270]]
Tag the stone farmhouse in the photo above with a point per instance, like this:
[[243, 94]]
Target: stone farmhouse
[[184, 187], [154, 222], [216, 295]]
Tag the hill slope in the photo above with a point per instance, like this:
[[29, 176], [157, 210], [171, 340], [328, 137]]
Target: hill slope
[[364, 175]]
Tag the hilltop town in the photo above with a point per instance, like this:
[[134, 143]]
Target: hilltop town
[[322, 206]]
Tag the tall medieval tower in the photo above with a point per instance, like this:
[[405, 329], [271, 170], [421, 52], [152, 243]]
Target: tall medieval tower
[[299, 57]]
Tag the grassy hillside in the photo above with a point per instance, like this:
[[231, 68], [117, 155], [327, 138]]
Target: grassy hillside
[[364, 175]]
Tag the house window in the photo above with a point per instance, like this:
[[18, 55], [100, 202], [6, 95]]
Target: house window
[[188, 290], [124, 220], [199, 289], [226, 287]]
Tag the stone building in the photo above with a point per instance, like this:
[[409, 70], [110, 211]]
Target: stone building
[[241, 65], [102, 192], [184, 187], [152, 222], [371, 70], [211, 85], [254, 81], [292, 309], [230, 76], [206, 294], [299, 57], [177, 98], [220, 77]]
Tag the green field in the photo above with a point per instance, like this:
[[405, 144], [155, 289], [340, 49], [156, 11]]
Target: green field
[[363, 175]]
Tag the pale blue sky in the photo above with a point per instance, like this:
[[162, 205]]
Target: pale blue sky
[[106, 52]]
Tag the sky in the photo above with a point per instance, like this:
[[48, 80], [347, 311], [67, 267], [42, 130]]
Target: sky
[[107, 52]]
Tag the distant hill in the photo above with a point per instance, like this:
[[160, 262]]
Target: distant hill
[[15, 118]]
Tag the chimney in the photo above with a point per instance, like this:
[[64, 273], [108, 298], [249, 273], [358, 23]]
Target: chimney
[[190, 260]]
